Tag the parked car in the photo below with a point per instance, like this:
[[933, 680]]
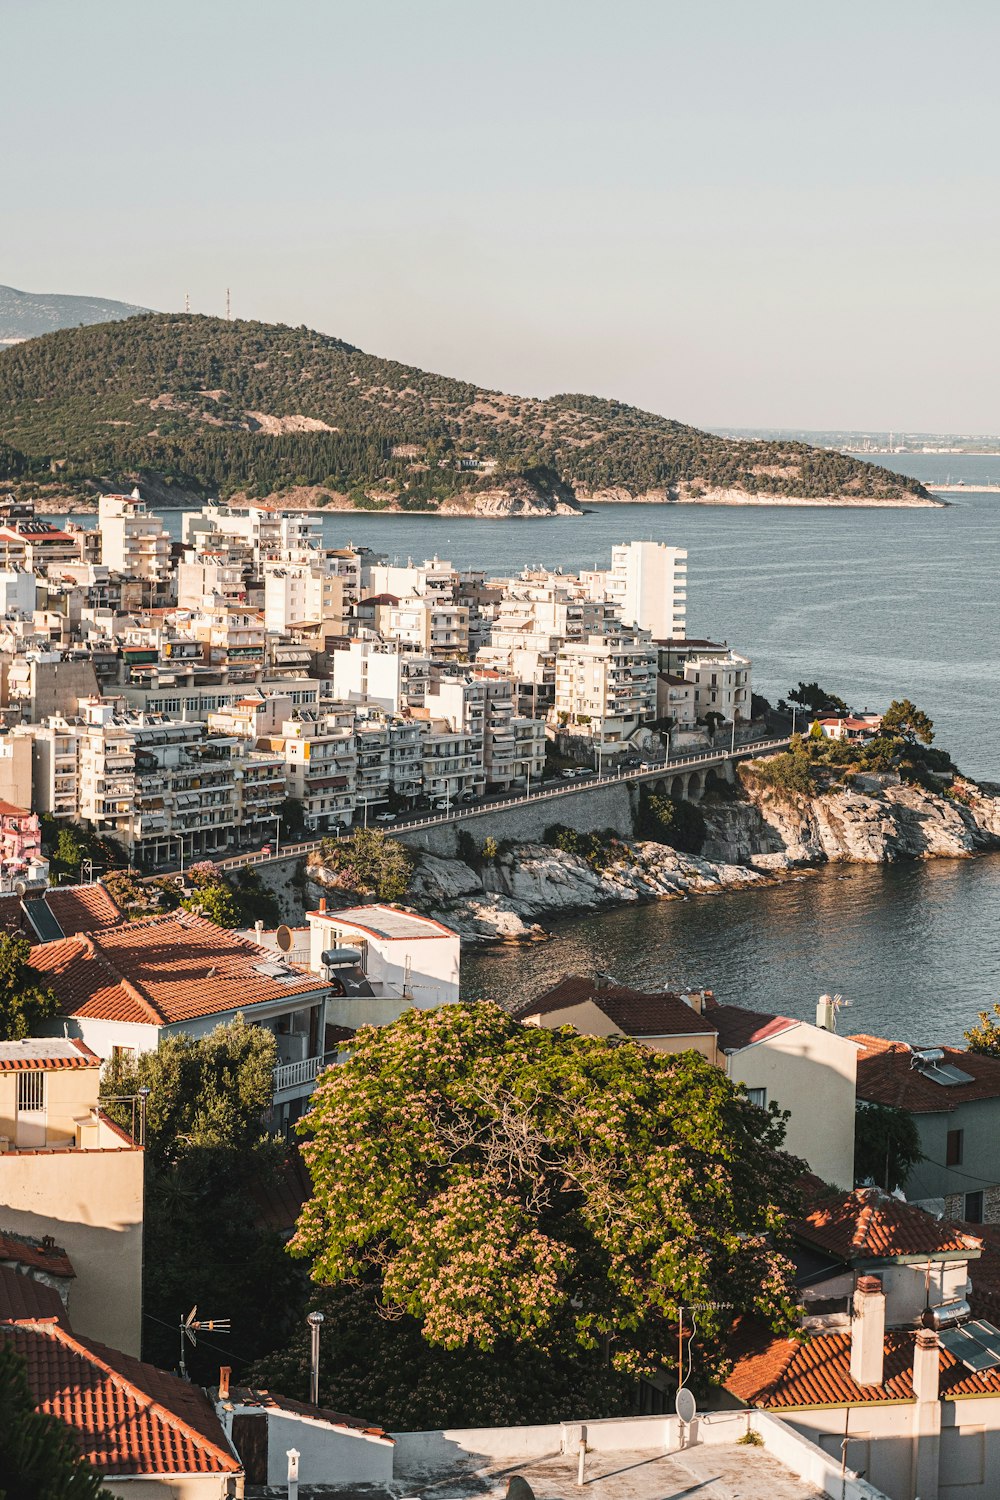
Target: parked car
[[385, 817], [266, 849], [567, 773], [442, 806]]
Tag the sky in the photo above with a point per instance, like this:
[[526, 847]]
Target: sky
[[749, 213]]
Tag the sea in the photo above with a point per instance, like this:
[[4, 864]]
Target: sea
[[874, 604]]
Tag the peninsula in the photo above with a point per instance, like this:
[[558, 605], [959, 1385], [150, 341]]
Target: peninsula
[[189, 407]]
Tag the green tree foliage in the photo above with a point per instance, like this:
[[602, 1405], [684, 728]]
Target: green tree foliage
[[25, 1000], [903, 718], [514, 1185], [293, 817], [791, 771], [886, 1146], [39, 1459], [84, 397], [212, 1091], [680, 824], [237, 902], [370, 863], [384, 1370], [985, 1037], [207, 1151], [599, 850], [816, 699]]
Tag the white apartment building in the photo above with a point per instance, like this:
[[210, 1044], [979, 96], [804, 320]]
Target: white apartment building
[[380, 673], [133, 540], [203, 580], [382, 962], [302, 596], [647, 583], [436, 629], [320, 755], [18, 591], [605, 688], [721, 685], [431, 579]]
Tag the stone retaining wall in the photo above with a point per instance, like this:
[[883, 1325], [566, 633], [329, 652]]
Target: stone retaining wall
[[590, 810]]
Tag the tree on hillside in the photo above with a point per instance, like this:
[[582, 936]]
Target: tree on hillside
[[886, 1146], [903, 718], [815, 698], [39, 1459], [515, 1186], [24, 999], [370, 863], [207, 1153]]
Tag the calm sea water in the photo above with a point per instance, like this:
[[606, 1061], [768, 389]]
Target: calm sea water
[[874, 604]]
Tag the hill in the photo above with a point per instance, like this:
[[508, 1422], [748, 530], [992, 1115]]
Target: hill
[[219, 406], [26, 315]]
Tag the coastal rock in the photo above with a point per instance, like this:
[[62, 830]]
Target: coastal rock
[[883, 823], [503, 901]]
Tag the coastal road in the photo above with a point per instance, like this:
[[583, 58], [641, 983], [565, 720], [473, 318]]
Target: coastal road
[[650, 770]]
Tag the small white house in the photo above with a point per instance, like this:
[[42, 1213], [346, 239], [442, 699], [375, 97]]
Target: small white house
[[382, 961]]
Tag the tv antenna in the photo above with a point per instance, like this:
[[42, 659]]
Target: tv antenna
[[840, 1002], [192, 1325]]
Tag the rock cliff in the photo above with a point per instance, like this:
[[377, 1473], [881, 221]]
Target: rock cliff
[[879, 821]]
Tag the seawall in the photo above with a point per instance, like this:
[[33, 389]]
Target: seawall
[[591, 810]]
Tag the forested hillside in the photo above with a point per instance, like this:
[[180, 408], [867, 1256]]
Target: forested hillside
[[226, 406]]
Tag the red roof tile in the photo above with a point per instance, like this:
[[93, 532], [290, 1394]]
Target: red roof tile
[[781, 1374], [11, 914], [128, 1417], [271, 1402], [632, 1012], [24, 1251], [84, 908], [868, 1224], [739, 1028], [24, 1296], [164, 969], [887, 1075], [38, 1058]]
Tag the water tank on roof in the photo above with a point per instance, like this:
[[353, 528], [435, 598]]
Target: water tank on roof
[[339, 958]]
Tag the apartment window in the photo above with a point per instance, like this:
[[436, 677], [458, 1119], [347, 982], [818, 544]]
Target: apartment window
[[758, 1097], [953, 1151], [31, 1092], [123, 1054], [973, 1208]]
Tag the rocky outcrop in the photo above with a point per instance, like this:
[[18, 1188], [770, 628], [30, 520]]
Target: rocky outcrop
[[880, 820], [506, 900]]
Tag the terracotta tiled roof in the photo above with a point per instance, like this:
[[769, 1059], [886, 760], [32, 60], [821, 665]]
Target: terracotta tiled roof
[[24, 1251], [782, 1374], [128, 1417], [632, 1012], [161, 970], [84, 908], [739, 1028], [46, 1054], [10, 810], [871, 1225], [24, 1296], [886, 1075]]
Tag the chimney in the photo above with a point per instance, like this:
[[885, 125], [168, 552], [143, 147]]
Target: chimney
[[868, 1331], [926, 1366], [824, 1013], [224, 1373], [258, 928], [696, 1000], [322, 903]]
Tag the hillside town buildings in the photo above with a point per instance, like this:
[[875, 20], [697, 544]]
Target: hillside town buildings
[[175, 695]]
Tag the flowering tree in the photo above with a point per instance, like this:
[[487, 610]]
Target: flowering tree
[[515, 1186]]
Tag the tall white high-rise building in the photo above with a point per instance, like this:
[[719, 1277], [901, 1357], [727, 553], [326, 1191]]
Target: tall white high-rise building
[[647, 582]]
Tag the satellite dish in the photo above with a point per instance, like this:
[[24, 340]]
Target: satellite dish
[[685, 1406], [284, 938]]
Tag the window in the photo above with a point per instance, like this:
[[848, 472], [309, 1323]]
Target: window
[[974, 1208], [758, 1097], [953, 1153], [123, 1054], [30, 1092]]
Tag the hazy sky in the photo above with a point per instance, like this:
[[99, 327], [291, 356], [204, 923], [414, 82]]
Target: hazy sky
[[744, 212]]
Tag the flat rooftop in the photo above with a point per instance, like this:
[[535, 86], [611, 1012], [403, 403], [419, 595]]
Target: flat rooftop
[[385, 922], [717, 1472]]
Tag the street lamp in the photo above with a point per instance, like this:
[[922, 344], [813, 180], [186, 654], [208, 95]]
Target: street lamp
[[315, 1321], [180, 838], [275, 818]]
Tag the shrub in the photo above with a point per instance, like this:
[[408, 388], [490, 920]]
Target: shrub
[[677, 823]]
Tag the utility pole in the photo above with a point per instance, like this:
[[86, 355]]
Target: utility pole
[[315, 1321]]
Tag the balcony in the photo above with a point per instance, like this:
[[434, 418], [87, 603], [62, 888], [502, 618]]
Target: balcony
[[293, 1076]]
